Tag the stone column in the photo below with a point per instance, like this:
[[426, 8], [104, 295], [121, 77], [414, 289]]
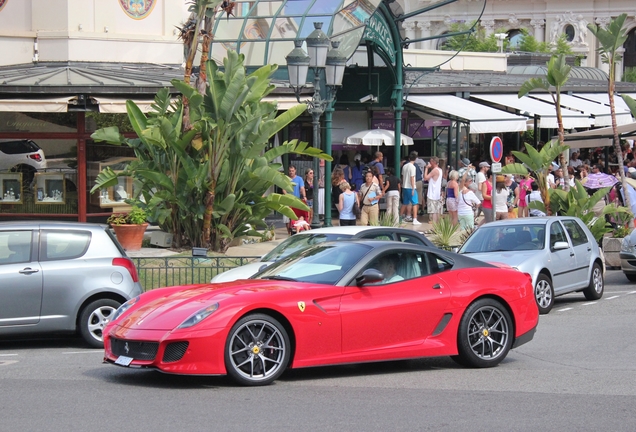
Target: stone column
[[409, 30], [539, 29], [425, 31], [619, 64], [488, 25]]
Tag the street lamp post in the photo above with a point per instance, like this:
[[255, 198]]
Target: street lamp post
[[322, 60]]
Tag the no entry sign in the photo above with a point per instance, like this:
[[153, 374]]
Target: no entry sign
[[496, 149]]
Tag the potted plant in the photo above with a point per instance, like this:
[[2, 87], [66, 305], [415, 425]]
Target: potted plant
[[612, 244], [129, 228]]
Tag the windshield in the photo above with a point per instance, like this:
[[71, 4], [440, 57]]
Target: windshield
[[300, 242], [323, 264], [505, 238]]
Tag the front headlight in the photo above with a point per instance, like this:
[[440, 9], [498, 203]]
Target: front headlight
[[199, 316], [626, 246], [123, 308]]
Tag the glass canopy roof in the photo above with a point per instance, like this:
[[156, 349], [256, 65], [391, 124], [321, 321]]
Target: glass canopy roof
[[265, 30]]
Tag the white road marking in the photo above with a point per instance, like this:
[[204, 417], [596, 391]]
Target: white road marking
[[564, 309], [631, 292], [7, 355], [591, 303], [84, 352], [8, 362], [613, 297]]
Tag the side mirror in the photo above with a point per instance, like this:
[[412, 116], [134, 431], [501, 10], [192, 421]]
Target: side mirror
[[560, 245], [263, 267], [369, 276]]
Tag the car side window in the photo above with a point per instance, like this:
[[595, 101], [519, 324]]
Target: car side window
[[557, 234], [60, 245], [15, 247], [399, 266], [406, 238], [576, 233], [377, 236]]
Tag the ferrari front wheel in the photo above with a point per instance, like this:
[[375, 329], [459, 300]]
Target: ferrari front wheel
[[485, 334], [257, 350]]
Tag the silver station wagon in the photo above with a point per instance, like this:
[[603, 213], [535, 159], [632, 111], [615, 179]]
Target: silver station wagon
[[62, 277], [559, 252]]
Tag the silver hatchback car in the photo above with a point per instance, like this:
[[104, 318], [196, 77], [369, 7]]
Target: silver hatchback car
[[559, 252], [62, 277]]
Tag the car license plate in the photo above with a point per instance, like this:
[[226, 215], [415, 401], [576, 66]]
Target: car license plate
[[123, 361]]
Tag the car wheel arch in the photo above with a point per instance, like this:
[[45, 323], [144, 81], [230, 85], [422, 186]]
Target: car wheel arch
[[97, 296], [504, 303], [278, 317]]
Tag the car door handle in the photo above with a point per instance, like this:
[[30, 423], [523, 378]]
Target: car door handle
[[28, 270], [589, 249], [437, 286], [571, 253]]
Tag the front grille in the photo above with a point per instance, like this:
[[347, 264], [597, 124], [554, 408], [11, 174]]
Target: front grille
[[175, 351], [135, 349]]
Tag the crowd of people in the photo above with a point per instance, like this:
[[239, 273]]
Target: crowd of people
[[467, 193]]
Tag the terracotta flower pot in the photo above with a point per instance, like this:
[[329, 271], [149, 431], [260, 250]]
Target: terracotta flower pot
[[130, 236]]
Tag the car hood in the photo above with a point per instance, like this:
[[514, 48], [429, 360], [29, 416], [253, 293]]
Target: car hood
[[242, 272], [167, 312], [517, 259]]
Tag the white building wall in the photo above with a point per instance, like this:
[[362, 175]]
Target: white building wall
[[89, 30], [545, 20]]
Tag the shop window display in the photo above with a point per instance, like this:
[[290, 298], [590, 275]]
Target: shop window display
[[10, 188], [50, 188]]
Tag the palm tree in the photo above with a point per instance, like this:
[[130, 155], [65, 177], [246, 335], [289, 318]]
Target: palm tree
[[557, 77], [610, 41], [538, 163]]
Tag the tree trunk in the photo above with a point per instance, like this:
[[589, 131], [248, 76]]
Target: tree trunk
[[617, 142]]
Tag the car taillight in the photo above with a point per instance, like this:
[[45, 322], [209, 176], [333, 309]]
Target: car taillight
[[128, 264], [35, 157]]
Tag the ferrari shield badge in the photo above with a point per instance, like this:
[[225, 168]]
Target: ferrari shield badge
[[301, 306]]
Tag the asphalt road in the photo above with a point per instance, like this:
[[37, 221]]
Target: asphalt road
[[578, 374]]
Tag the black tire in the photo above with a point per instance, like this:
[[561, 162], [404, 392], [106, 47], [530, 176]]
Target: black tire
[[594, 290], [544, 294], [485, 334], [257, 350], [93, 319], [631, 277]]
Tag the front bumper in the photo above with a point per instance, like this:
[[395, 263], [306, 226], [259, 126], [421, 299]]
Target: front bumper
[[628, 262], [180, 352]]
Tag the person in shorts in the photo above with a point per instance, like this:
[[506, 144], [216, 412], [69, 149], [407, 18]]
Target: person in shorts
[[409, 191]]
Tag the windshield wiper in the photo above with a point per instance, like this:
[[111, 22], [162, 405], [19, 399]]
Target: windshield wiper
[[281, 278]]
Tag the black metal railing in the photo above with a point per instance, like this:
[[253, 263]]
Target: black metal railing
[[169, 271]]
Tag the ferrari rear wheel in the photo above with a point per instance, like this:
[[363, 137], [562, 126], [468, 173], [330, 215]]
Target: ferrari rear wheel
[[257, 350], [485, 334]]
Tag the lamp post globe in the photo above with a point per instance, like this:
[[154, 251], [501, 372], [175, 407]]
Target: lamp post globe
[[335, 65], [317, 46], [297, 65]]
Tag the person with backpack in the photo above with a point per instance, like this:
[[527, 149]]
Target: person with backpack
[[377, 163]]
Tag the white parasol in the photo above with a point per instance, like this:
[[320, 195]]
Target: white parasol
[[376, 137]]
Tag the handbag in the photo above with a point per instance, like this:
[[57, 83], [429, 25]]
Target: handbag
[[356, 208]]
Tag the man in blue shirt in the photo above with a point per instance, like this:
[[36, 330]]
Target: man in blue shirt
[[298, 192]]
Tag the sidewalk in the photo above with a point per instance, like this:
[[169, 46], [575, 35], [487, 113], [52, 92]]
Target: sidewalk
[[261, 248]]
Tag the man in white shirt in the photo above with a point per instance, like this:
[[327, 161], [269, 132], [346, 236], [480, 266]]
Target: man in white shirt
[[575, 162], [433, 175], [409, 191]]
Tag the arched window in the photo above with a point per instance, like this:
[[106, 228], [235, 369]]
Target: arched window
[[514, 36], [441, 42], [629, 56], [569, 32]]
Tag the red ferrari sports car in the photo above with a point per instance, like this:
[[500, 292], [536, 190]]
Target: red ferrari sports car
[[333, 303]]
